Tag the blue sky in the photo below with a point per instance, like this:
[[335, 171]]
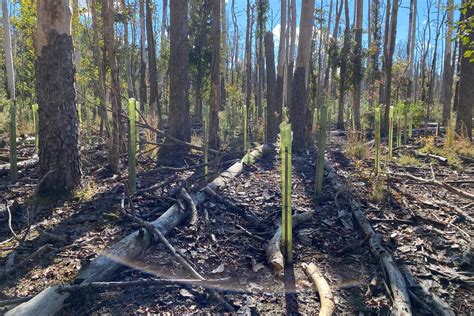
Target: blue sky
[[403, 14]]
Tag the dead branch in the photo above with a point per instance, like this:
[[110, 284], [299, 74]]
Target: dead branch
[[444, 185], [190, 205], [231, 206], [156, 186], [184, 262], [322, 286], [274, 254], [5, 168]]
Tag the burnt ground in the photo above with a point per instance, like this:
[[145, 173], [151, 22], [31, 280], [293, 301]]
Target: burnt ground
[[225, 245]]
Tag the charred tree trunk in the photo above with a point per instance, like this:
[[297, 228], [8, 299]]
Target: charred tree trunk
[[271, 123], [281, 60], [357, 65], [142, 89], [215, 75], [152, 71], [447, 85], [58, 123], [299, 99], [179, 120], [466, 92], [343, 65]]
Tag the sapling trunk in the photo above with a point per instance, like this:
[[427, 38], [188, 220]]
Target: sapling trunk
[[405, 125], [377, 141], [321, 148], [390, 132], [287, 228], [34, 107], [132, 138], [13, 158], [205, 119]]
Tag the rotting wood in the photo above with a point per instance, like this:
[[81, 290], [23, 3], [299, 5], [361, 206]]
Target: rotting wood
[[274, 255], [444, 185], [401, 299], [5, 168], [49, 301], [325, 293]]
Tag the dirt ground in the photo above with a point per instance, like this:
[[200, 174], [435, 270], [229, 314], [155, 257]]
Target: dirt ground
[[430, 241]]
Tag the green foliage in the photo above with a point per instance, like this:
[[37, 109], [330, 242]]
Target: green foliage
[[24, 59], [355, 146], [406, 160], [378, 191], [466, 27]]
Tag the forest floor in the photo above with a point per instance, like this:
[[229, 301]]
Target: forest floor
[[420, 224]]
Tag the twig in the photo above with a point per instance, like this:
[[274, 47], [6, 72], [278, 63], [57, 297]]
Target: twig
[[172, 250], [140, 282], [156, 186], [444, 185], [250, 234]]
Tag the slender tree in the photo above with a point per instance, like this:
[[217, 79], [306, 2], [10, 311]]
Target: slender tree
[[447, 84], [215, 74], [152, 70], [110, 45], [299, 110], [58, 124], [343, 64], [358, 64], [143, 87], [11, 88], [281, 60]]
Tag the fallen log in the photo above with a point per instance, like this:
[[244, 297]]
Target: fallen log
[[274, 255], [441, 159], [401, 298], [444, 185], [325, 294], [5, 168], [104, 267]]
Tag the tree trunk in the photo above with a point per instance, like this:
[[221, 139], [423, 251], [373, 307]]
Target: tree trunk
[[11, 89], [389, 61], [299, 100], [357, 65], [447, 85], [128, 55], [109, 35], [143, 89], [271, 123], [281, 61], [466, 92], [161, 72], [153, 76], [179, 120], [96, 55], [215, 75], [58, 124], [292, 47], [343, 65]]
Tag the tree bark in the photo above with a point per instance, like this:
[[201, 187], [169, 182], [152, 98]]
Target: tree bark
[[466, 92], [447, 85], [110, 45], [152, 71], [215, 75], [143, 86], [179, 120], [281, 61], [357, 65], [299, 109], [271, 123], [58, 124], [343, 64]]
